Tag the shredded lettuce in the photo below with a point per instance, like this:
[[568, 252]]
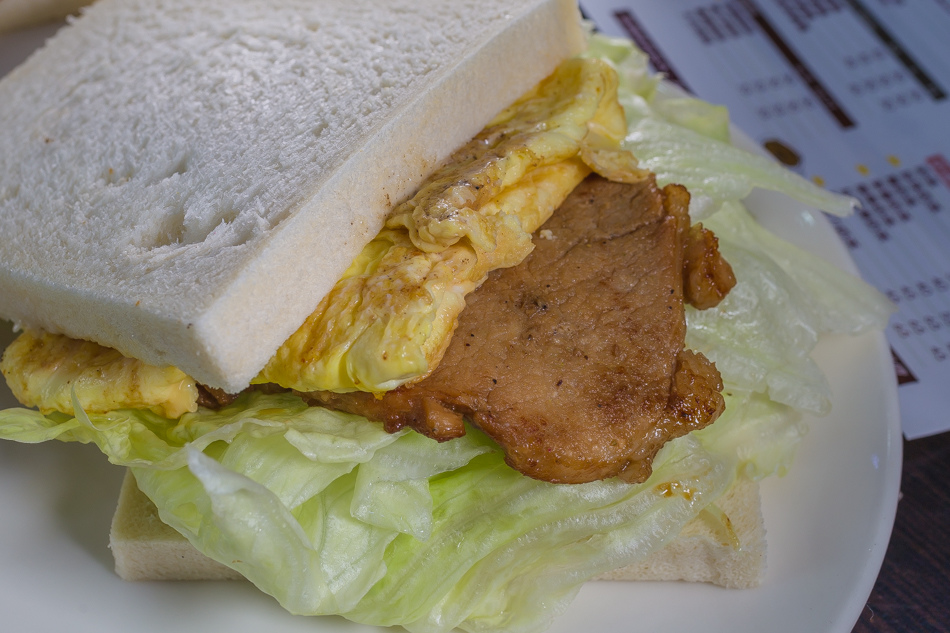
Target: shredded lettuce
[[386, 529], [686, 141], [331, 515], [757, 434], [762, 334]]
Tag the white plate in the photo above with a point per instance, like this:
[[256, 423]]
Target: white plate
[[828, 521]]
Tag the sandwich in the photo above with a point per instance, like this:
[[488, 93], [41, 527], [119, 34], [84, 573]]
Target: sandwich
[[258, 167]]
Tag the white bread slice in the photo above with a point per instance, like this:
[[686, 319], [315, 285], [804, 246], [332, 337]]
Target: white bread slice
[[185, 181], [144, 548], [18, 14]]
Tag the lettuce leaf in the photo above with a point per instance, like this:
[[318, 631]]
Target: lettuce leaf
[[686, 141], [762, 334], [387, 529]]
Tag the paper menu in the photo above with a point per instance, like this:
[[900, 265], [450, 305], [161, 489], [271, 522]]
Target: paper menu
[[852, 94]]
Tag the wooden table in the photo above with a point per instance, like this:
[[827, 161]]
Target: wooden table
[[912, 593]]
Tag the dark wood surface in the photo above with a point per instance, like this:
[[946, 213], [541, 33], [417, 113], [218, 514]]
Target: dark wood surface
[[912, 593]]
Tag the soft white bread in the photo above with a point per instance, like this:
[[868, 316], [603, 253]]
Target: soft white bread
[[185, 181], [18, 14], [731, 555], [144, 548]]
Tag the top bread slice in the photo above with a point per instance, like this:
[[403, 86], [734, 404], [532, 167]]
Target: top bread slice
[[185, 181]]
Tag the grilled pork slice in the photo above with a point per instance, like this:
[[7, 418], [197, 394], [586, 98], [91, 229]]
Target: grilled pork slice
[[574, 361]]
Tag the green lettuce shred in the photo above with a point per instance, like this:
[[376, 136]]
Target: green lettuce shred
[[386, 529], [686, 141]]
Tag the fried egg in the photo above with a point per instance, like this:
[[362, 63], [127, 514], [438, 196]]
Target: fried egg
[[390, 318], [48, 370]]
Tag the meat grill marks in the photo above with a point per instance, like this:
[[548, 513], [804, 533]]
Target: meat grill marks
[[574, 360]]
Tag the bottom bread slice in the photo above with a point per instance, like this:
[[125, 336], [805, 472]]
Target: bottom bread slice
[[724, 545]]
